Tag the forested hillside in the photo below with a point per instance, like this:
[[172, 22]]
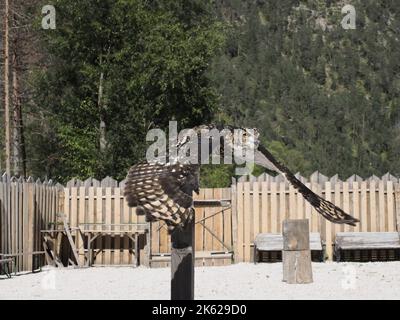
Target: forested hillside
[[324, 98]]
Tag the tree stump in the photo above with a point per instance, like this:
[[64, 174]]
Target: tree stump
[[296, 255]]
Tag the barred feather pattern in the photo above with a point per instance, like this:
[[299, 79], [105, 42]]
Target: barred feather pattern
[[162, 192], [327, 209]]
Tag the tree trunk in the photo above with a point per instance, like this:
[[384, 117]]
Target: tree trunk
[[102, 128], [7, 88], [18, 138]]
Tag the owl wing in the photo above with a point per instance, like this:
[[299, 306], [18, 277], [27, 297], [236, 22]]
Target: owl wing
[[325, 208], [161, 191]]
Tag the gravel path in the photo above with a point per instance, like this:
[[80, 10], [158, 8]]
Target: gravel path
[[241, 281]]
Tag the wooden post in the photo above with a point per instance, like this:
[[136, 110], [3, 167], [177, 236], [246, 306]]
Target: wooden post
[[182, 262], [397, 205], [296, 253]]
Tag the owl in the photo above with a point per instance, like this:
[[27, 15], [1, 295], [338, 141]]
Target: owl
[[162, 191]]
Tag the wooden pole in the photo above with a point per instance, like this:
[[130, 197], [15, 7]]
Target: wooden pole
[[182, 262], [7, 88], [296, 254]]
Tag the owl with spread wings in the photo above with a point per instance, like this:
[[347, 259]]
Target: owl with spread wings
[[162, 191]]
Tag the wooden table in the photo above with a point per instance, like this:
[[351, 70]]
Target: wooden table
[[95, 230]]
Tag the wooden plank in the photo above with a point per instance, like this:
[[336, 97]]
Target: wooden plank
[[227, 215], [31, 216], [73, 217], [274, 208], [265, 213], [81, 219], [12, 222], [39, 216], [346, 201], [2, 218], [99, 219], [125, 219], [397, 202], [218, 221], [367, 240], [235, 227], [372, 206], [208, 238], [117, 220], [8, 214], [256, 211], [199, 215], [390, 207], [382, 220], [293, 212], [108, 220], [247, 218], [328, 224], [21, 224], [308, 214], [338, 202], [274, 241], [71, 240], [282, 204], [240, 213], [319, 220], [300, 206], [25, 226], [199, 241], [91, 209], [364, 214], [356, 204]]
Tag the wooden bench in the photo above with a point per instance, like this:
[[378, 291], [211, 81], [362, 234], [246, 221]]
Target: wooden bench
[[5, 263], [273, 242], [367, 246]]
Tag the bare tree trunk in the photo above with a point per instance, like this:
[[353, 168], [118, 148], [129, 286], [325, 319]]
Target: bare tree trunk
[[102, 128], [7, 88], [18, 139]]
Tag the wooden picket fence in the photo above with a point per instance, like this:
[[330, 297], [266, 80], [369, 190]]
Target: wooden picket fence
[[93, 201], [262, 203], [26, 207], [101, 202], [258, 204]]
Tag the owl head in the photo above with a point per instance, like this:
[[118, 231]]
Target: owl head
[[217, 140]]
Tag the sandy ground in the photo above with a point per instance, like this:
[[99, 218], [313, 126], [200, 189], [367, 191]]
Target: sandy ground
[[241, 281]]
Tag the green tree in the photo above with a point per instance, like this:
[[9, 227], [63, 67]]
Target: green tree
[[150, 60]]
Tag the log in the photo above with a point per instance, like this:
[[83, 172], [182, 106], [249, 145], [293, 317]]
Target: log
[[297, 267], [296, 254]]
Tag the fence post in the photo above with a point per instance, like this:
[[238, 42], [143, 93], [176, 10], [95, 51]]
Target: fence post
[[234, 221], [182, 263], [397, 203], [296, 254]]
